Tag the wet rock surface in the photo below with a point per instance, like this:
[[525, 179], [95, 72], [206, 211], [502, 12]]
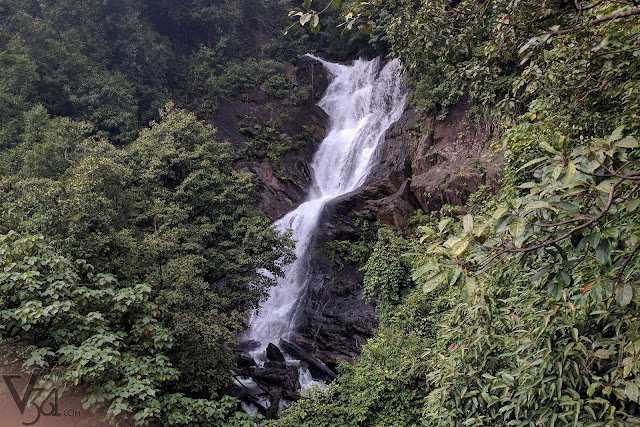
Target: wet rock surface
[[278, 188], [274, 355], [443, 165], [297, 346], [334, 319], [265, 383]]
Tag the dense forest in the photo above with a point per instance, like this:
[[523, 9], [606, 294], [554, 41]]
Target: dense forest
[[132, 249]]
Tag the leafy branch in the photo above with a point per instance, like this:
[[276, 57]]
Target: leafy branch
[[568, 185], [606, 18], [358, 10]]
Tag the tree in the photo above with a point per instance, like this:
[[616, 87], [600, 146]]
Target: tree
[[84, 327], [17, 86], [169, 210], [202, 243], [98, 61]]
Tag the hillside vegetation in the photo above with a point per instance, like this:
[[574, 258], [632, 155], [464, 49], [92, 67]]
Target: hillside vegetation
[[131, 252], [524, 310], [130, 248]]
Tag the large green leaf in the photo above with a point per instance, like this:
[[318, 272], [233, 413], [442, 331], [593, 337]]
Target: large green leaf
[[624, 294]]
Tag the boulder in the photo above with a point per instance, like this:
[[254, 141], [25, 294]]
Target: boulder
[[245, 361], [274, 354]]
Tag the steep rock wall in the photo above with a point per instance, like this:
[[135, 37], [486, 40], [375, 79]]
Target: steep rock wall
[[278, 188], [444, 166]]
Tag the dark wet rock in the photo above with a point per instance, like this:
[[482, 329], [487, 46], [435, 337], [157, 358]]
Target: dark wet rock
[[245, 361], [454, 160], [246, 346], [274, 381], [274, 354], [316, 366], [275, 359], [278, 188], [335, 319], [286, 376], [281, 382]]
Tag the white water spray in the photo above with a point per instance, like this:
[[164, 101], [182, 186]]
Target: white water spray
[[362, 102]]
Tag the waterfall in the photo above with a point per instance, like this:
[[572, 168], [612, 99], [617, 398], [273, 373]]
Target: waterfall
[[362, 101]]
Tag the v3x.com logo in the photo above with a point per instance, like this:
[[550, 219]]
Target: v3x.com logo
[[45, 401]]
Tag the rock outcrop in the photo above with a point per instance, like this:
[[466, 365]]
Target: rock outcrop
[[279, 188], [335, 319], [266, 385], [444, 166]]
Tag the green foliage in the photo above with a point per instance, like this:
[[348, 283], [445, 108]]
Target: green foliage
[[110, 63], [482, 200], [87, 328], [357, 250], [17, 85], [546, 325], [208, 81], [272, 143], [95, 61], [92, 161], [382, 389], [388, 273], [168, 210], [200, 230], [308, 15], [208, 84], [157, 203], [527, 310], [523, 311], [214, 23], [386, 386], [48, 146], [278, 86]]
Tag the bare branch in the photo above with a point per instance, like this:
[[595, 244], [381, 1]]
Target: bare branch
[[624, 266], [612, 174], [591, 221], [595, 22]]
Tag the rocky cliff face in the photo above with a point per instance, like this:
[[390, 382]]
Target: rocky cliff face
[[444, 166], [279, 187], [415, 170]]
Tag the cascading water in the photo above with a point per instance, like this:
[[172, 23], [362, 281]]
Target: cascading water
[[362, 102]]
